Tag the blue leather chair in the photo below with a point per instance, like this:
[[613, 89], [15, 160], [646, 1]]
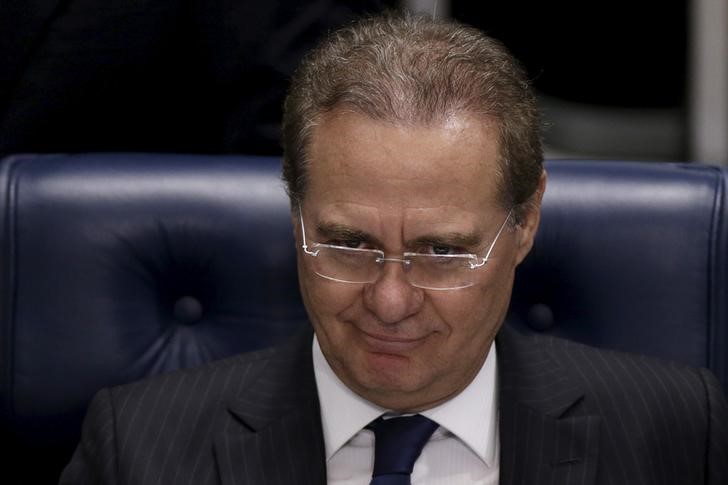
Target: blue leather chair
[[117, 266]]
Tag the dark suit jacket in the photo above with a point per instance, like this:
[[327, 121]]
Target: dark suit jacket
[[570, 414]]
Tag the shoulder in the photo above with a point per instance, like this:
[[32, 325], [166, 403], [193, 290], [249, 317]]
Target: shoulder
[[622, 372], [211, 385], [651, 411], [618, 377]]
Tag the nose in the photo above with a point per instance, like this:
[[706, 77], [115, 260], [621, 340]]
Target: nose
[[391, 297]]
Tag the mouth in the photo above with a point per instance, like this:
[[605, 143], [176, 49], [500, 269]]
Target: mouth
[[387, 344]]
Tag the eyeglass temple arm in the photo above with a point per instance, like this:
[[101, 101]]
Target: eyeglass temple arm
[[304, 246], [495, 240]]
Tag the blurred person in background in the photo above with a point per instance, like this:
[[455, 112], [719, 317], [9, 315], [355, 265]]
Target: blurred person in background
[[200, 76]]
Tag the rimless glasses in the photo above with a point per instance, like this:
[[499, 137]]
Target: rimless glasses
[[430, 271]]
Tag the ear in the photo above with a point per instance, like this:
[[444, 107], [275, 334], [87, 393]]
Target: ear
[[526, 231]]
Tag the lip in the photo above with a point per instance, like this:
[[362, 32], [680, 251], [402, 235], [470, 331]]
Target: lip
[[386, 344]]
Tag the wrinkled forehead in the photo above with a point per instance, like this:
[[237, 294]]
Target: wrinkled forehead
[[392, 226], [452, 162]]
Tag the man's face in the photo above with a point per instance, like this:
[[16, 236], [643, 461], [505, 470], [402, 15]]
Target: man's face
[[407, 188]]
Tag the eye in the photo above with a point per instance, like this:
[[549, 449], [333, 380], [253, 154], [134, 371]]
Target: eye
[[440, 250], [348, 243]]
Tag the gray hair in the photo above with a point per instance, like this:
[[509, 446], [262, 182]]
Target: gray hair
[[416, 70]]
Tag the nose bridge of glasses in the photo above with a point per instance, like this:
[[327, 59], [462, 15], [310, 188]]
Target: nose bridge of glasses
[[383, 259], [400, 272], [404, 263]]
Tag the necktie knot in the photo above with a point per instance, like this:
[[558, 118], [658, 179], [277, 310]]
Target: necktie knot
[[398, 443]]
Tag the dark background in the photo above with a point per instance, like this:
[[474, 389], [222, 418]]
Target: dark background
[[209, 76]]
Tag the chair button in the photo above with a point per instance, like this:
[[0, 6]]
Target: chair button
[[540, 317], [187, 310]]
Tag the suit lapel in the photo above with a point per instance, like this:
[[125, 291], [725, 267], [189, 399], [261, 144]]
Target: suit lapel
[[274, 432], [545, 439]]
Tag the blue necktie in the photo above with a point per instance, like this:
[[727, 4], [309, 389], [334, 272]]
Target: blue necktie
[[398, 443]]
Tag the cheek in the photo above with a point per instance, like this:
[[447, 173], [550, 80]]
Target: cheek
[[324, 301], [474, 315], [464, 314]]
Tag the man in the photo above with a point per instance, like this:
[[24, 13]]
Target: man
[[414, 166]]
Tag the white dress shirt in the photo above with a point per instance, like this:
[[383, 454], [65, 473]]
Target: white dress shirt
[[465, 448]]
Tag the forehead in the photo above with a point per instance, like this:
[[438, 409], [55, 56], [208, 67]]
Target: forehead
[[452, 163]]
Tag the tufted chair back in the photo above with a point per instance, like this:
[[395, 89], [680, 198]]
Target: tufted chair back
[[633, 257], [115, 267], [118, 266]]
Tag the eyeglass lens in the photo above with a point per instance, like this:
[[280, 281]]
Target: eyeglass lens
[[426, 271]]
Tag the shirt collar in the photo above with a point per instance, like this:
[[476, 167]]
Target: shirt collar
[[471, 415]]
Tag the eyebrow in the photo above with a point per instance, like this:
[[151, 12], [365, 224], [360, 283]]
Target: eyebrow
[[454, 239], [333, 230]]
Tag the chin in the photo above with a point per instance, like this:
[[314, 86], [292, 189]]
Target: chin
[[389, 375]]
